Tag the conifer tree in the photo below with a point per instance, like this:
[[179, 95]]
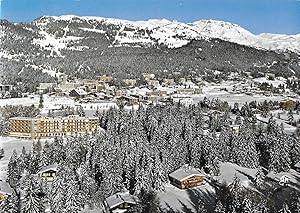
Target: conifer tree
[[11, 204], [220, 208], [285, 209], [13, 174], [33, 198]]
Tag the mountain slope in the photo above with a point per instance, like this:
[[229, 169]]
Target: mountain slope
[[89, 46]]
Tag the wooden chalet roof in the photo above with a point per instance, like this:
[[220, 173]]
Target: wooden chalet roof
[[52, 167], [120, 198], [185, 172], [297, 165]]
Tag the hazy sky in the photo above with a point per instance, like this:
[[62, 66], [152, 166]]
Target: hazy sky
[[275, 16]]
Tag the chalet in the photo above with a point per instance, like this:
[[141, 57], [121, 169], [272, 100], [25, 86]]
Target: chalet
[[297, 166], [159, 93], [188, 91], [153, 83], [184, 100], [46, 87], [48, 172], [187, 177], [120, 202], [99, 105], [94, 86], [270, 76], [77, 93], [130, 82], [182, 80], [168, 81], [105, 78], [129, 100], [5, 88], [288, 104], [5, 190], [235, 128], [148, 76]]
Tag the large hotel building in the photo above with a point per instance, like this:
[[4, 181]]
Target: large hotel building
[[44, 127]]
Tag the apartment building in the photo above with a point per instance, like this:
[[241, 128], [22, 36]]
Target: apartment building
[[45, 127]]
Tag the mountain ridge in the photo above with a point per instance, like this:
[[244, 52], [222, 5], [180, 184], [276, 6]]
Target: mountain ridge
[[86, 48], [196, 30]]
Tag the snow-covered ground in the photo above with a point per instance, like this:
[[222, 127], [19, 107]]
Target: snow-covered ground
[[276, 82], [185, 200], [229, 170], [212, 91], [9, 145]]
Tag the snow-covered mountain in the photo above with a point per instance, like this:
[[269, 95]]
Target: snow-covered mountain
[[174, 34], [85, 47]]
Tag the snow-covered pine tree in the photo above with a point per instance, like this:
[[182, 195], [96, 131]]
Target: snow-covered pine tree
[[244, 151], [33, 197], [11, 204], [73, 197], [1, 153], [280, 160], [13, 174], [46, 155], [220, 208], [290, 117], [201, 208], [285, 209], [260, 177], [80, 111], [236, 190]]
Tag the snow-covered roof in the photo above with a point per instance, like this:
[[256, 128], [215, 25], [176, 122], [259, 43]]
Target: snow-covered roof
[[185, 172], [48, 168], [297, 165], [5, 188], [80, 91], [119, 198]]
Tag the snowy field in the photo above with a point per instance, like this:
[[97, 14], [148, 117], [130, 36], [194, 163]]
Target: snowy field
[[9, 145], [186, 200], [49, 102], [217, 92]]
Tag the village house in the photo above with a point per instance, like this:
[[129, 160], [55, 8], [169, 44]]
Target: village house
[[5, 88], [153, 83], [5, 190], [235, 128], [46, 87], [77, 93], [270, 76], [129, 100], [182, 81], [120, 202], [159, 93], [148, 76], [48, 172], [184, 100], [130, 82], [94, 86], [99, 105], [120, 93], [168, 81], [105, 78], [288, 104], [187, 177]]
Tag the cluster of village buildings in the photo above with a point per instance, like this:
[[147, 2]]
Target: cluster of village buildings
[[100, 94]]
